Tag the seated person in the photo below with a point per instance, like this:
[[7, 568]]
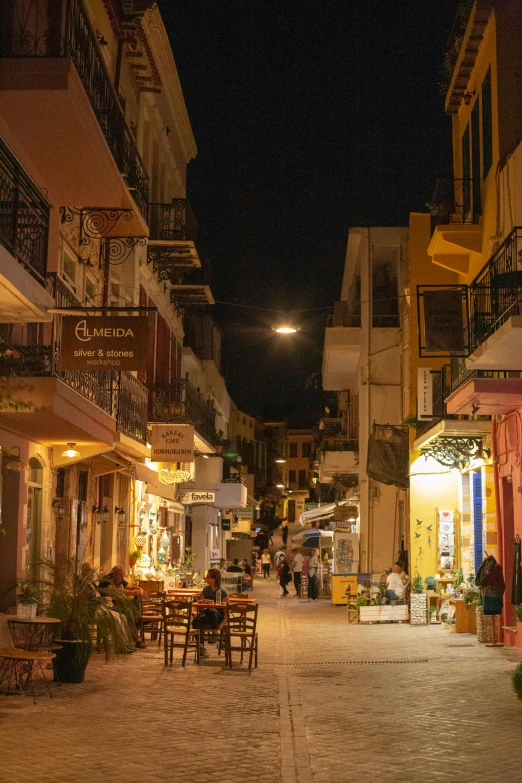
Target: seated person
[[213, 618], [235, 567], [394, 584], [402, 573], [247, 575], [115, 580]]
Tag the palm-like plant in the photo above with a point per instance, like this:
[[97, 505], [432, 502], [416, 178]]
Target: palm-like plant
[[71, 596]]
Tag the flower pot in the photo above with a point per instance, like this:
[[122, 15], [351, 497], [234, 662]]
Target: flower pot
[[71, 661], [26, 611], [133, 561], [452, 627]]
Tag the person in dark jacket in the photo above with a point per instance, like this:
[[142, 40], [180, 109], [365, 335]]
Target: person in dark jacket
[[283, 572]]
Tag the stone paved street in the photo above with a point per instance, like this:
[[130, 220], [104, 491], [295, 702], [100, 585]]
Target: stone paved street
[[329, 702]]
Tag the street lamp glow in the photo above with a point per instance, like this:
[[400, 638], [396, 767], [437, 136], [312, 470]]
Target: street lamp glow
[[285, 328], [280, 459], [280, 486]]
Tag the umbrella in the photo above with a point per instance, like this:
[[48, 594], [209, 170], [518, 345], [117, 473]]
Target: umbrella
[[314, 538]]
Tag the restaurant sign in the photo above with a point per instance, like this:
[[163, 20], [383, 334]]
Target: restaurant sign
[[173, 476], [193, 496], [172, 443], [104, 343]]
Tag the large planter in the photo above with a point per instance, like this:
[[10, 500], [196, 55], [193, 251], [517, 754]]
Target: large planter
[[485, 626], [71, 661], [418, 609], [26, 611]]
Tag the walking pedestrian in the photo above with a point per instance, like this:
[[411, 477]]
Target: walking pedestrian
[[284, 530], [313, 566], [284, 575], [297, 568], [265, 564]]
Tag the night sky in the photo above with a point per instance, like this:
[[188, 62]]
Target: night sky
[[310, 116]]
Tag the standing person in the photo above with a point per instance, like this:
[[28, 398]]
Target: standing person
[[265, 564], [297, 568], [313, 565], [284, 530], [283, 573], [280, 555]]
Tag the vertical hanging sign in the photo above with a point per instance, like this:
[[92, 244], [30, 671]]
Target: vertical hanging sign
[[172, 443], [424, 393]]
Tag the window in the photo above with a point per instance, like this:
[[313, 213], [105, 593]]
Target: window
[[466, 174], [91, 289], [385, 289], [487, 126], [292, 477], [475, 160], [293, 450], [69, 270], [302, 479], [306, 449]]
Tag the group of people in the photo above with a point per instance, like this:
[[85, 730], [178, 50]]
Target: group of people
[[237, 566], [396, 581], [288, 572]]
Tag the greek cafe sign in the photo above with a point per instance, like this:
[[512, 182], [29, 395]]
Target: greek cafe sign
[[192, 496], [172, 443], [173, 476], [104, 342]]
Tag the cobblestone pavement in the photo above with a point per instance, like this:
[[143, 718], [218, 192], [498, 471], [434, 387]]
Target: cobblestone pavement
[[330, 702]]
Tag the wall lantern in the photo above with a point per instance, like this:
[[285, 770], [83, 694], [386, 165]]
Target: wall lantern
[[16, 463], [101, 514], [59, 509], [120, 515]]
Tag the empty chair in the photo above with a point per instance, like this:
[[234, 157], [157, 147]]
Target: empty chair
[[242, 632], [177, 620]]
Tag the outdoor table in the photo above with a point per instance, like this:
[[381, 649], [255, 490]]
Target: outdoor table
[[31, 633]]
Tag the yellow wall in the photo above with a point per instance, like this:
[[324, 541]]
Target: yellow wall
[[432, 488]]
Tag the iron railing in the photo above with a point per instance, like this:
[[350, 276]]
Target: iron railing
[[455, 201], [132, 407], [243, 448], [460, 374], [340, 444], [24, 215], [121, 395], [180, 402], [61, 28], [172, 221], [496, 290]]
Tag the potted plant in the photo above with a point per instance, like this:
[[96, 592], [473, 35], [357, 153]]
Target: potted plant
[[27, 600], [452, 625], [516, 680], [219, 441], [73, 599], [444, 620], [458, 578], [134, 556], [189, 558]]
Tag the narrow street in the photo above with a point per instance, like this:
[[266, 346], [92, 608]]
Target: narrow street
[[329, 702]]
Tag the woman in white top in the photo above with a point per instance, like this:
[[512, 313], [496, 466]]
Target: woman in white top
[[313, 566], [265, 564]]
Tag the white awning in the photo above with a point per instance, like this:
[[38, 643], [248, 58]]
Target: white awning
[[326, 511], [153, 485]]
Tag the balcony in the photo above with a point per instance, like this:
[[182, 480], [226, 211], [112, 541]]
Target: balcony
[[341, 352], [54, 85], [488, 392], [24, 228], [495, 295], [172, 238], [231, 494], [339, 456], [181, 403], [457, 236], [444, 423]]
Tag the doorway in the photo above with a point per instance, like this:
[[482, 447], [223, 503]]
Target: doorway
[[33, 537]]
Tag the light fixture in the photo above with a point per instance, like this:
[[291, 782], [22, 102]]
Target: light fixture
[[59, 509], [71, 452], [205, 456], [121, 515], [285, 327], [280, 486], [16, 463], [280, 459], [100, 514], [468, 97]]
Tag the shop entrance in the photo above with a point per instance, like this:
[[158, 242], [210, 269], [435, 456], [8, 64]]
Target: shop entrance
[[33, 540]]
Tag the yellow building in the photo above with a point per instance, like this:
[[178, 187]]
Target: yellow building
[[473, 245]]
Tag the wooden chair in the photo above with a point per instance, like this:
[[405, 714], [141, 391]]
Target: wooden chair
[[177, 621], [351, 605], [18, 666], [151, 615], [241, 626]]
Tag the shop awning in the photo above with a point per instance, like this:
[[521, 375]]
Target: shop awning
[[324, 512], [152, 482], [110, 462], [252, 502]]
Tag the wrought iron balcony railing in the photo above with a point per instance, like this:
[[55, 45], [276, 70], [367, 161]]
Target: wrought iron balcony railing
[[61, 28], [496, 291], [24, 215], [460, 374], [121, 395], [455, 201], [340, 444], [172, 221], [180, 402]]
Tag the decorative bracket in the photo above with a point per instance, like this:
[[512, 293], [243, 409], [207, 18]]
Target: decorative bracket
[[95, 222], [453, 452]]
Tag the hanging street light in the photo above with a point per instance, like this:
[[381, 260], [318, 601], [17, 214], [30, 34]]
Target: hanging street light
[[101, 514], [285, 327]]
